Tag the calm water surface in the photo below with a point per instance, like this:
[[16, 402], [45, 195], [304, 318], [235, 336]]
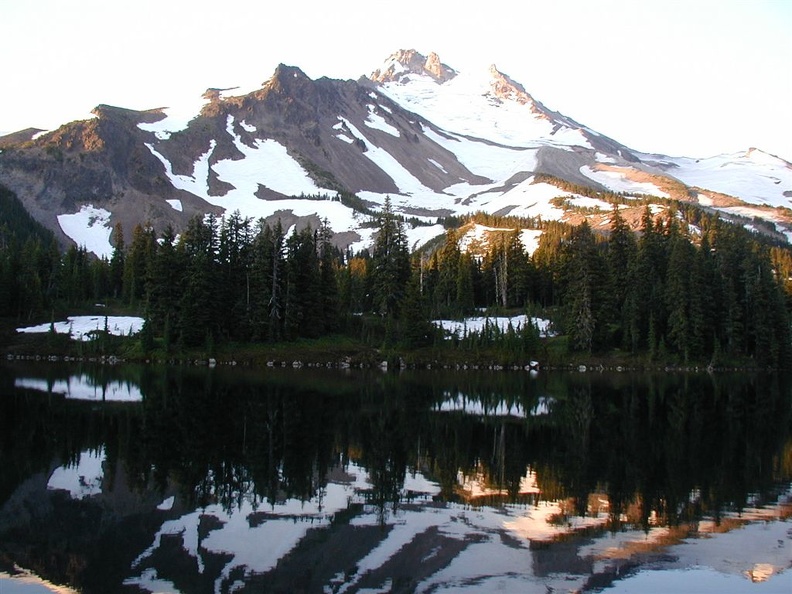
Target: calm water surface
[[133, 479]]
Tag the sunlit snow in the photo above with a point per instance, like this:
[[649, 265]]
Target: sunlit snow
[[377, 122], [176, 204], [485, 159], [478, 236], [616, 181], [266, 164], [753, 176], [89, 228], [467, 105], [406, 182], [419, 236], [176, 118]]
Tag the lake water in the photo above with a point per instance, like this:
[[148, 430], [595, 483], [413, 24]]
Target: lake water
[[192, 480]]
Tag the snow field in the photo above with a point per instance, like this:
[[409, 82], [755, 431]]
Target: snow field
[[466, 105], [80, 327], [89, 228], [477, 324], [754, 176], [616, 181]]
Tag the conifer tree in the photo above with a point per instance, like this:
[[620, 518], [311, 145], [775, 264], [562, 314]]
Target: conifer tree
[[390, 264], [621, 252], [328, 281], [117, 261]]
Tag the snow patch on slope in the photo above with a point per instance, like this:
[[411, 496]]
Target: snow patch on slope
[[467, 105], [487, 160], [617, 181], [478, 236], [176, 119], [754, 176], [197, 183], [266, 164], [377, 122], [89, 228]]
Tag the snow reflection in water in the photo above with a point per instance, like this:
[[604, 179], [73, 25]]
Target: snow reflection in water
[[442, 510], [480, 548], [258, 535], [83, 387], [500, 408]]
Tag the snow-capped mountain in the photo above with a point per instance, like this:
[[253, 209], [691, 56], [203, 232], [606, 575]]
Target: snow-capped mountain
[[436, 141]]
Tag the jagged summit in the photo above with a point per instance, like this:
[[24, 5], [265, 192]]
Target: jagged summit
[[283, 76], [504, 87], [400, 65]]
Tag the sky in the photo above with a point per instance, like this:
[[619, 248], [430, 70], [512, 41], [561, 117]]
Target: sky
[[678, 77]]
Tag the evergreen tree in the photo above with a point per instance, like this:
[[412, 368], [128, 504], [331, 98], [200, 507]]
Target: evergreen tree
[[303, 316], [198, 305], [137, 262], [390, 264], [621, 253], [328, 281], [164, 280], [117, 261], [445, 287], [586, 292]]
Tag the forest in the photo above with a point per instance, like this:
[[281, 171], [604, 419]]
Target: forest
[[686, 287]]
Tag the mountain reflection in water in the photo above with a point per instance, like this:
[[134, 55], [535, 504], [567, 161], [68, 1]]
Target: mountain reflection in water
[[300, 481]]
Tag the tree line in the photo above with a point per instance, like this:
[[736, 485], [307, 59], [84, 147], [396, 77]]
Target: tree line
[[687, 286]]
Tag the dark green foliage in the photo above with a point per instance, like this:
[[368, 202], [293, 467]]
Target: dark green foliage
[[716, 294], [390, 264], [586, 288]]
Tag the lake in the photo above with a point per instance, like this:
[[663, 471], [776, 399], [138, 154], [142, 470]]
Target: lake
[[182, 479]]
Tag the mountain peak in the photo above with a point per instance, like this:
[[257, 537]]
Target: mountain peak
[[401, 64], [504, 87], [284, 76]]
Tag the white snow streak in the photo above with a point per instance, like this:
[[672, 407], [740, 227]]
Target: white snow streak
[[378, 122]]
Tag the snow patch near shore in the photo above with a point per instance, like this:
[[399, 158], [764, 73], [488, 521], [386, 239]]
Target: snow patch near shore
[[84, 327]]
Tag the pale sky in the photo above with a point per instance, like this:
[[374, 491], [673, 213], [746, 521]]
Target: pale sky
[[688, 77]]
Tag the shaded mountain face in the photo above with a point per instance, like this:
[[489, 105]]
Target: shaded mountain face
[[436, 141]]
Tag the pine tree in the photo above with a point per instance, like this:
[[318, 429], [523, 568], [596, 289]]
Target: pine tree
[[445, 287], [198, 305], [303, 300], [621, 253], [390, 264], [586, 292], [328, 281], [164, 279], [140, 253], [117, 261]]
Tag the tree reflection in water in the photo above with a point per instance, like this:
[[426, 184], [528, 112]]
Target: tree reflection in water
[[563, 458]]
